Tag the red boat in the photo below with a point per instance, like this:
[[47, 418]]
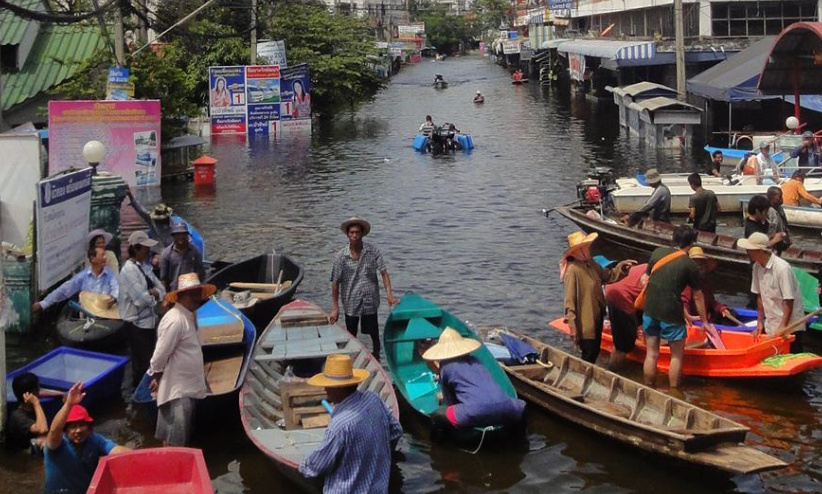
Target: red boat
[[154, 470], [742, 357]]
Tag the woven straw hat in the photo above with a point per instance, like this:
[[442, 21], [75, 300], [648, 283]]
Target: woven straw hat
[[366, 226], [97, 305], [161, 212], [190, 281], [578, 240], [757, 241], [338, 372], [451, 345]]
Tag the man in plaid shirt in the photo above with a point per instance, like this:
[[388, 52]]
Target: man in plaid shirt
[[354, 276]]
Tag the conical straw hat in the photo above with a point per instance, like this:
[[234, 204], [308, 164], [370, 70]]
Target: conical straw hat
[[578, 240], [451, 345], [97, 305]]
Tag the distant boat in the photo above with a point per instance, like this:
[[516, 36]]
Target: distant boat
[[282, 415], [58, 370], [259, 276], [520, 81], [151, 471]]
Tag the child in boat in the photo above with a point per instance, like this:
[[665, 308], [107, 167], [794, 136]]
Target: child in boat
[[471, 397], [27, 423]]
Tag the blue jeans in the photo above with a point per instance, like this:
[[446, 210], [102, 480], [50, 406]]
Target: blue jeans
[[665, 330]]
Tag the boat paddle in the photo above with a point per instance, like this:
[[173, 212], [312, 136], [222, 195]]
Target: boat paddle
[[734, 320], [713, 335], [792, 328]]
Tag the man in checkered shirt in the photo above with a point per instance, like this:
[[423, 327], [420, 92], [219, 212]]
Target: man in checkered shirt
[[354, 277]]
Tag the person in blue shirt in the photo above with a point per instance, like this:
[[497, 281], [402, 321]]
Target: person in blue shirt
[[355, 454], [98, 278], [73, 448], [471, 397]]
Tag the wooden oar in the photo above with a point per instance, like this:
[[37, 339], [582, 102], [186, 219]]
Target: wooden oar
[[791, 328], [713, 335], [734, 320], [279, 281]]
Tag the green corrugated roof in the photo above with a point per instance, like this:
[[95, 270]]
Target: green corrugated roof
[[49, 62], [12, 28]]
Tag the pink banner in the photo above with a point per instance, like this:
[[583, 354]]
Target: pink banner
[[130, 130]]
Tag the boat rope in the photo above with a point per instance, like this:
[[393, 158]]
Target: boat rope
[[233, 314], [549, 365], [482, 438]]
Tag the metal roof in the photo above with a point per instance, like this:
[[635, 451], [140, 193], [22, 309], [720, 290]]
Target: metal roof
[[52, 60], [655, 104], [644, 87], [794, 58], [12, 28], [610, 49], [736, 78]]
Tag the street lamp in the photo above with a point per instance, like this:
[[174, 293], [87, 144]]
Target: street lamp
[[93, 153]]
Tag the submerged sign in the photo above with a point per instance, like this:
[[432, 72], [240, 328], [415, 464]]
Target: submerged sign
[[63, 212]]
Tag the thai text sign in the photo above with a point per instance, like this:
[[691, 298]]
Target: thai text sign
[[262, 83], [409, 31], [130, 131], [227, 99], [510, 46], [63, 211], [272, 53]]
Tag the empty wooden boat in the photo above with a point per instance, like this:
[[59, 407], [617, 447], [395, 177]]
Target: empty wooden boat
[[649, 235], [259, 304], [152, 470], [413, 321], [743, 357], [634, 414], [281, 414]]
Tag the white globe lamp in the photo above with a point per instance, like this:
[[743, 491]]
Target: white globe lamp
[[792, 123], [93, 153]]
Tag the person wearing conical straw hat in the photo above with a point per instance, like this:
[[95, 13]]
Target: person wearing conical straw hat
[[176, 368], [658, 206], [355, 454], [470, 395], [354, 279], [718, 313], [584, 279]]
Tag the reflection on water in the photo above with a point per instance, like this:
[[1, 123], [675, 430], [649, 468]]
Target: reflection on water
[[465, 231]]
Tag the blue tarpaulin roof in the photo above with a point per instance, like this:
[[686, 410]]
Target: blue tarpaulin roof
[[736, 78], [808, 101]]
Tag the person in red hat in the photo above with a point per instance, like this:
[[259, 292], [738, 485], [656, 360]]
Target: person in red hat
[[73, 448]]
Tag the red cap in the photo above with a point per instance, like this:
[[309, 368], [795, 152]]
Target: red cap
[[78, 413]]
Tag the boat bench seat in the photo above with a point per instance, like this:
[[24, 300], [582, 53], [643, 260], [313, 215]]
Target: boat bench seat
[[300, 333], [400, 314], [726, 241], [418, 329], [707, 238], [302, 349]]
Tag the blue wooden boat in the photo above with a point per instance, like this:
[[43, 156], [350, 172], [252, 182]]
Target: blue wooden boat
[[421, 142], [415, 320], [100, 373], [228, 338]]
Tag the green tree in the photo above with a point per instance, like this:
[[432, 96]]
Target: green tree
[[491, 13], [336, 47], [447, 32]]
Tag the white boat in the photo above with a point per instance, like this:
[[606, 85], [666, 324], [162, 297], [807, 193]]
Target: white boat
[[681, 179], [798, 216], [631, 195]]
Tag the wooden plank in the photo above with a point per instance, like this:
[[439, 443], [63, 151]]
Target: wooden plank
[[321, 420], [221, 375]]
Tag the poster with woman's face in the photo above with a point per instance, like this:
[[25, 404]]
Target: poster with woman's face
[[296, 97]]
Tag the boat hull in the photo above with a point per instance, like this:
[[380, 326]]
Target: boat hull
[[743, 357], [103, 335], [633, 414], [797, 216]]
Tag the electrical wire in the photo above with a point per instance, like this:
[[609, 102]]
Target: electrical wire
[[53, 18]]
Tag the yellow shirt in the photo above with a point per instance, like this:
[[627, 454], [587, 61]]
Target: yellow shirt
[[793, 190]]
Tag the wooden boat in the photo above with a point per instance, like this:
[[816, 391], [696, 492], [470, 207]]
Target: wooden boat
[[152, 470], [261, 269], [97, 334], [798, 216], [628, 199], [649, 235], [634, 414], [415, 320], [58, 370], [227, 338], [518, 82], [742, 358], [283, 416]]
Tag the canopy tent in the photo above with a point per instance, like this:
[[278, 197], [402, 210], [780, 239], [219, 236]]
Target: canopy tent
[[736, 78], [610, 49]]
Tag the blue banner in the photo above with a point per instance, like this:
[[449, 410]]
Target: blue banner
[[63, 188], [262, 119]]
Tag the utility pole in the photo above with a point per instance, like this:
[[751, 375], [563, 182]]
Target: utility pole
[[119, 37], [679, 33], [253, 32]]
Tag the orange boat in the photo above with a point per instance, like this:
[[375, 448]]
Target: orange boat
[[743, 357]]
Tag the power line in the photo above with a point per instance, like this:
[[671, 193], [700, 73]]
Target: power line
[[52, 18]]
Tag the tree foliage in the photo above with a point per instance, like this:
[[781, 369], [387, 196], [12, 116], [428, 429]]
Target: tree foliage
[[491, 14], [447, 32]]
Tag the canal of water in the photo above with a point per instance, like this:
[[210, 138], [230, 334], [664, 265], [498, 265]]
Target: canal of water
[[465, 231]]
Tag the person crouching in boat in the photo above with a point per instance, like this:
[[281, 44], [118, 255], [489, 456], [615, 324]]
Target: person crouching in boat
[[658, 205], [479, 98], [584, 300], [470, 396], [718, 313], [624, 318], [355, 454]]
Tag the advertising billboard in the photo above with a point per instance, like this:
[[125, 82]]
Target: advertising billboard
[[227, 100]]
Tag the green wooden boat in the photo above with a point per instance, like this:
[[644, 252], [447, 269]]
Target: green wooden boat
[[414, 320]]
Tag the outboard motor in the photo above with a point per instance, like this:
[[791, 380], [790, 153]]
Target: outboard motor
[[597, 188]]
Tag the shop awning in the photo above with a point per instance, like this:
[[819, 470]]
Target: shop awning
[[610, 49], [736, 78], [552, 43]]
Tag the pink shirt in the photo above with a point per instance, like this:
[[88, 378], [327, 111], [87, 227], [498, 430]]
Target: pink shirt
[[179, 357], [623, 293]]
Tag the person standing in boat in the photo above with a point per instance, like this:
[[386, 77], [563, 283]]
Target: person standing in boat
[[72, 448], [808, 153], [777, 221], [140, 292], [670, 271], [793, 191], [757, 220], [658, 205], [470, 395], [778, 298], [714, 168], [176, 368], [98, 279], [355, 454], [179, 258], [354, 279], [584, 301], [762, 165], [702, 206]]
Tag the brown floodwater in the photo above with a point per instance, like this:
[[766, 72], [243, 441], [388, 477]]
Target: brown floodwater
[[466, 232]]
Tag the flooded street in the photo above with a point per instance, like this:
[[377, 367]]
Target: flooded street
[[465, 231]]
